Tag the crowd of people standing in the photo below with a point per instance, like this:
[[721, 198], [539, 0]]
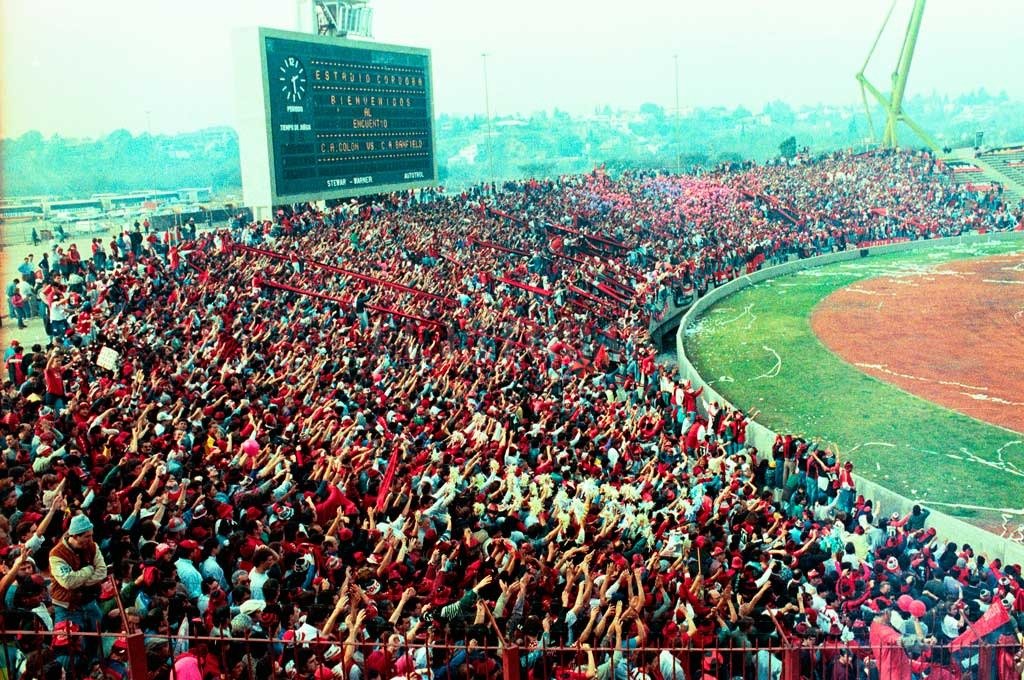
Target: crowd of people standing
[[376, 441]]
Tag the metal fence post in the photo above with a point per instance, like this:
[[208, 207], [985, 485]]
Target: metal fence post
[[510, 663], [138, 667], [791, 663], [986, 660]]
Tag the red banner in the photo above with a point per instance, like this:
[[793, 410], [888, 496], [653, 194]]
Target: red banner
[[612, 294], [495, 246], [347, 272], [385, 483], [992, 619], [590, 237], [524, 286], [505, 215], [333, 298], [584, 294]]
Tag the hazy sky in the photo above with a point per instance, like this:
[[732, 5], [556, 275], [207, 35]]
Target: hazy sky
[[86, 67]]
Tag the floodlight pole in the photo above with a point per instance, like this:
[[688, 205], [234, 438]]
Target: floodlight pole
[[860, 74], [894, 103], [902, 71]]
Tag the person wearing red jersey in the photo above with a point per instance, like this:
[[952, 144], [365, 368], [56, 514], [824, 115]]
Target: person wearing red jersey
[[889, 646], [53, 378], [690, 398]]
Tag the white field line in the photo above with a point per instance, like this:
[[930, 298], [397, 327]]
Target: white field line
[[1009, 532], [753, 318], [968, 506], [868, 292], [1000, 463], [772, 372], [996, 400], [997, 465], [887, 444], [999, 451], [739, 316], [952, 383]]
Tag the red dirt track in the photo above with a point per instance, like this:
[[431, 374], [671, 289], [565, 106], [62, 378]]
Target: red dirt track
[[953, 335]]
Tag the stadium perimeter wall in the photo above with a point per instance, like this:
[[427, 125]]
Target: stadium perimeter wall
[[947, 527]]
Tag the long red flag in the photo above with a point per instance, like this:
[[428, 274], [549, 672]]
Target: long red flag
[[995, 617], [334, 298], [525, 286], [347, 272], [389, 475]]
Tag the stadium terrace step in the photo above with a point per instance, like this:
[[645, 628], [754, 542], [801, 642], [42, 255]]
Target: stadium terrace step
[[1005, 167], [1007, 162]]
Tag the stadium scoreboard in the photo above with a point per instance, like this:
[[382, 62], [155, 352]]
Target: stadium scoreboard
[[339, 118]]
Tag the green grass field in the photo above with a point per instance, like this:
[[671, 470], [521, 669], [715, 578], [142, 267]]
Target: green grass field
[[758, 350]]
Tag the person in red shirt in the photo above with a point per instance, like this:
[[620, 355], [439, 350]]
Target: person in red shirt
[[690, 398], [15, 366], [695, 435], [173, 258], [889, 646], [53, 378]]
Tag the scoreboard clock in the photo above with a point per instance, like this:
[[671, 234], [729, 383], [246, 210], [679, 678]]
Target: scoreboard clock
[[293, 79]]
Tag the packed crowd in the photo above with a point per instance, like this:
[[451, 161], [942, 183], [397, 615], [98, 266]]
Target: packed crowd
[[378, 441]]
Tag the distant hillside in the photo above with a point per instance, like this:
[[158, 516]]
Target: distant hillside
[[541, 144], [119, 162]]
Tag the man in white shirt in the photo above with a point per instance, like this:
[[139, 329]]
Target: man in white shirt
[[58, 317], [263, 559]]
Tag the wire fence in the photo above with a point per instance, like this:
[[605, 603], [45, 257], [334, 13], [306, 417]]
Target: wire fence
[[20, 232], [292, 654]]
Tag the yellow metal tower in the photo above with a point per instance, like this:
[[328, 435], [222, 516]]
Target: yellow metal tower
[[893, 105]]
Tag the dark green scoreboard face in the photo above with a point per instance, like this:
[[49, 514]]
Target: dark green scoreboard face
[[348, 120]]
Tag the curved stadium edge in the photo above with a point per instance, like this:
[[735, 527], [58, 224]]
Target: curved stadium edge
[[946, 526]]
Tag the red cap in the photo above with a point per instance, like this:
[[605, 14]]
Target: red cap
[[107, 590], [63, 632]]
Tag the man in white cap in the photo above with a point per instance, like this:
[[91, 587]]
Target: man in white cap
[[78, 570]]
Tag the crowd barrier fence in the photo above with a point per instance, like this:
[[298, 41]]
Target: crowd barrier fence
[[146, 656]]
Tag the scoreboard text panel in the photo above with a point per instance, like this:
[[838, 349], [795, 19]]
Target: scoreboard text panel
[[347, 119]]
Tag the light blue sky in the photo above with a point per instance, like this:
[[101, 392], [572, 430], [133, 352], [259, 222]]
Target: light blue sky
[[86, 67]]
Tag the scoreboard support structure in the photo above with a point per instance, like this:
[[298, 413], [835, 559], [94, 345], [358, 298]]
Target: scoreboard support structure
[[324, 118]]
